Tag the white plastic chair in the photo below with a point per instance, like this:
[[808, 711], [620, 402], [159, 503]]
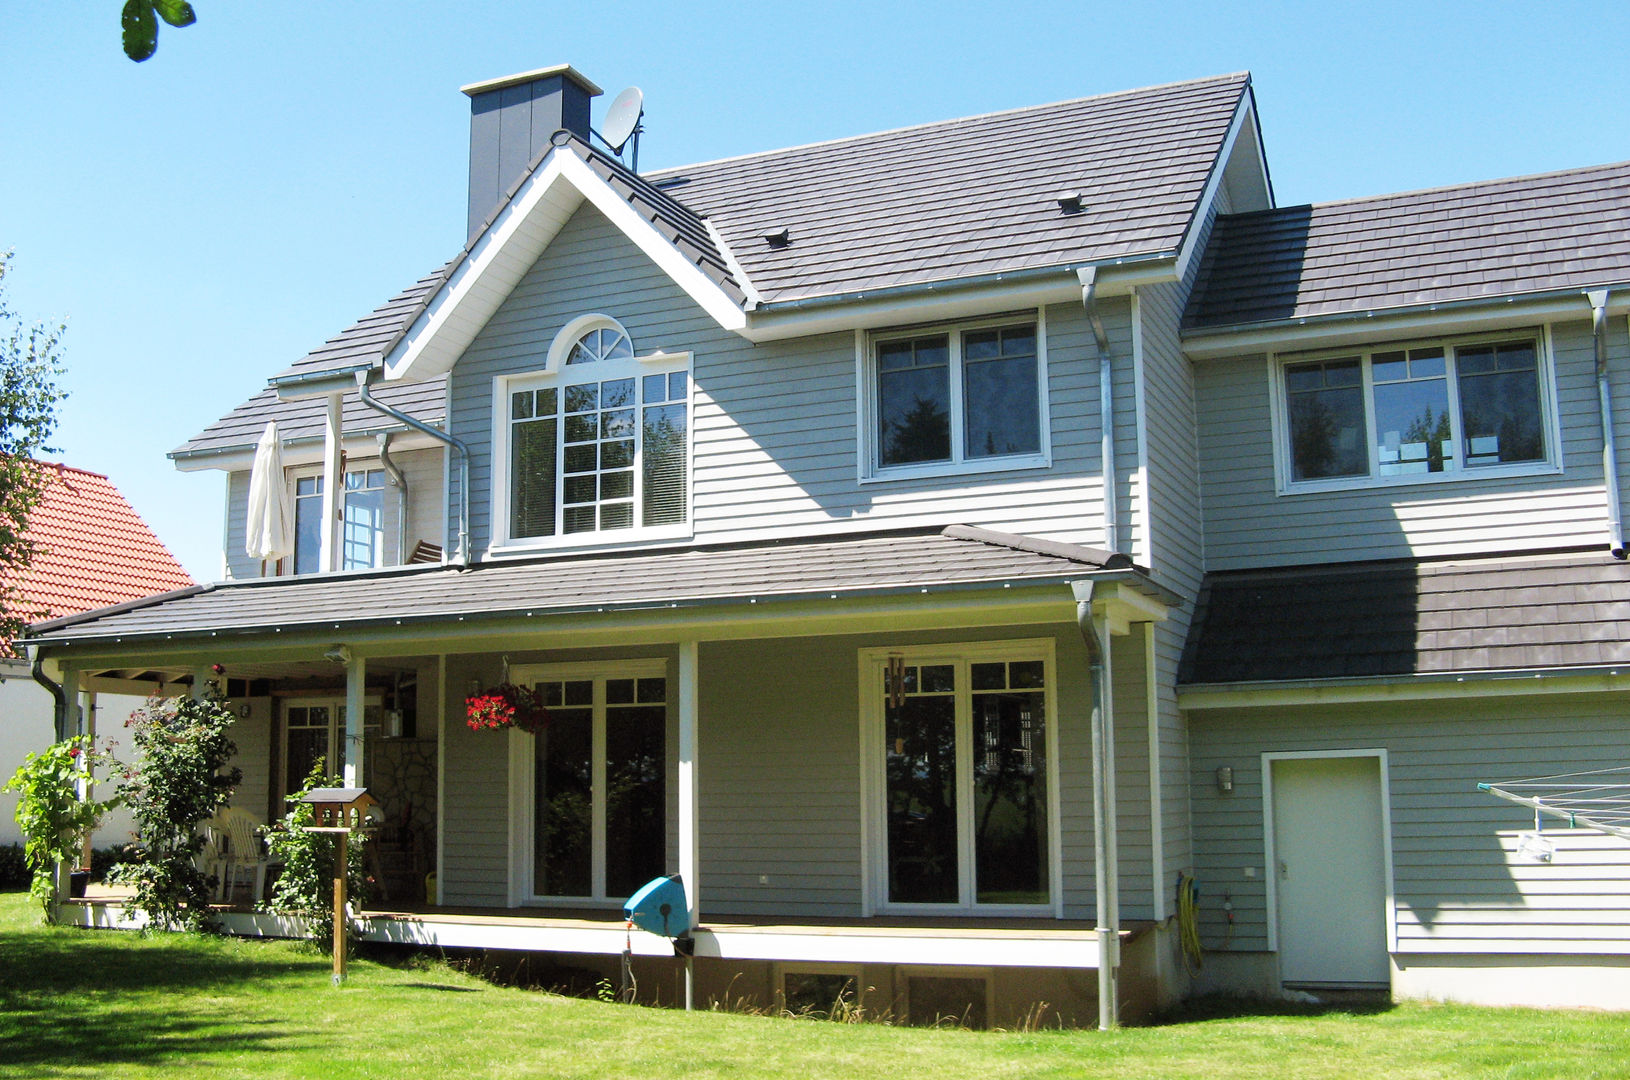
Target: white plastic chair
[[237, 845]]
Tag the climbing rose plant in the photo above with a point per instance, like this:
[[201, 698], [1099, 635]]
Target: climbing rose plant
[[52, 816], [179, 782]]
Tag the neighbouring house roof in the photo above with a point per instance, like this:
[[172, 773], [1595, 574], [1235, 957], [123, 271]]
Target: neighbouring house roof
[[1410, 618], [958, 556], [93, 550], [1531, 234], [933, 203]]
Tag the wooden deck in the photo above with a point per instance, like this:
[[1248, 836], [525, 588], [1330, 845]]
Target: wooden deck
[[983, 942]]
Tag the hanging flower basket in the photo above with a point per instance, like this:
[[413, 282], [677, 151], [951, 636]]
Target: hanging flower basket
[[506, 706]]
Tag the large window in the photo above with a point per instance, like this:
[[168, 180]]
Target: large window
[[957, 398], [1404, 413], [599, 444], [362, 537], [961, 751], [597, 780]]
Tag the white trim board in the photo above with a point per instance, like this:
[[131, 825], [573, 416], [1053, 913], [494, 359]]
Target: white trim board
[[1405, 688]]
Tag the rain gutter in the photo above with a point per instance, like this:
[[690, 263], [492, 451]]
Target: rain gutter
[[458, 446], [1088, 276], [59, 712], [1106, 878]]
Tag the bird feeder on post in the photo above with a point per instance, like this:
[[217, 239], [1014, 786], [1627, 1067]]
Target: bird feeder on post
[[338, 811]]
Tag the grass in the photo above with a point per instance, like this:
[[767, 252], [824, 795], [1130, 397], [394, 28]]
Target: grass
[[84, 1003]]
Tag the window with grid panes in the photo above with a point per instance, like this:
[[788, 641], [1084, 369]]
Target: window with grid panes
[[602, 446]]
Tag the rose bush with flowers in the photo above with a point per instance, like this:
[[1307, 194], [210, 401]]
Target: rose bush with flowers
[[506, 706], [52, 816]]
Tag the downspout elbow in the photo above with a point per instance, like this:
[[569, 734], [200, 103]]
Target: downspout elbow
[[1604, 394], [59, 696], [399, 481], [458, 446]]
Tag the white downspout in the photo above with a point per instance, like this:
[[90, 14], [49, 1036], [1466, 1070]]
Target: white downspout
[[1604, 396], [399, 481], [1088, 277], [1105, 848], [463, 558]]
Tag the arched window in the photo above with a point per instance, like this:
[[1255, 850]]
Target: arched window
[[598, 442]]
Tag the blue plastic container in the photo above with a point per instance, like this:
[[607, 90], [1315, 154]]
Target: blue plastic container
[[659, 907]]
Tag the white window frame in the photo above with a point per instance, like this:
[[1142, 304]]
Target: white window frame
[[523, 760], [1550, 425], [867, 450], [387, 517], [874, 810], [556, 373]]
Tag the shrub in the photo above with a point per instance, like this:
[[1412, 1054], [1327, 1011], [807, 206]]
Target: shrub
[[13, 867], [54, 819], [305, 886], [180, 780]]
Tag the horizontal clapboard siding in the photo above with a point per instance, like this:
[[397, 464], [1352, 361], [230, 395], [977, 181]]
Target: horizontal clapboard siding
[[1247, 524], [774, 430], [779, 768], [1459, 885]]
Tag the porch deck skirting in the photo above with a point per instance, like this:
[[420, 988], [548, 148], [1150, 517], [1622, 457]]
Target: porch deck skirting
[[853, 941]]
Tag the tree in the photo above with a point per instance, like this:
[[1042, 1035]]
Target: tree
[[30, 364], [139, 21]]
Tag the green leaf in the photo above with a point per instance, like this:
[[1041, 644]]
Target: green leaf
[[175, 12], [140, 29]]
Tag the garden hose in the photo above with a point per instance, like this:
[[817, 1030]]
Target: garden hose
[[1188, 922]]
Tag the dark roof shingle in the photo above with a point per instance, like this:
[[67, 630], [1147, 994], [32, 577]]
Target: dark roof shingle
[[1530, 234], [1409, 618]]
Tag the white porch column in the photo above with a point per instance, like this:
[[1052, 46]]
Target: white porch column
[[201, 678], [70, 691], [689, 835], [87, 790], [356, 672], [333, 486]]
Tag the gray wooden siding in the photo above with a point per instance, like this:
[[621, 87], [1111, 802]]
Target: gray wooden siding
[[775, 425], [1247, 524], [253, 736], [423, 470], [779, 768], [1459, 886]]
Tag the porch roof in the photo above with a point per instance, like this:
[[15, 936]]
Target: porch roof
[[956, 557]]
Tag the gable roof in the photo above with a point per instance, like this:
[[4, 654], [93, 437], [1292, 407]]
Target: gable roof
[[93, 550], [1410, 618], [970, 197], [759, 574], [1530, 234]]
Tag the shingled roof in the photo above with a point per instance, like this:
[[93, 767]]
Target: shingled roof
[[1410, 618], [933, 203], [93, 550], [1530, 234], [891, 563]]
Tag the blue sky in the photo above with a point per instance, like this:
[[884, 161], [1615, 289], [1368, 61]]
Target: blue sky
[[203, 219]]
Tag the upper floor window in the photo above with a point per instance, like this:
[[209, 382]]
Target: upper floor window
[[362, 511], [969, 398], [598, 443], [1402, 414]]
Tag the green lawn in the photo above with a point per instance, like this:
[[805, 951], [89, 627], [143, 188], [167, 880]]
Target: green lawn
[[102, 1003]]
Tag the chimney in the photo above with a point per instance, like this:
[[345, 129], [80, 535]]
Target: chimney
[[511, 119]]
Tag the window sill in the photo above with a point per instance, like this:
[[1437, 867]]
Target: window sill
[[929, 470], [588, 542], [1459, 476], [987, 911]]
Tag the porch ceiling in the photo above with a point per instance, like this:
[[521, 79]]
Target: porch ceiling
[[755, 581]]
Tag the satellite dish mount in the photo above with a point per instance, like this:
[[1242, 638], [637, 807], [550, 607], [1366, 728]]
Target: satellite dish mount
[[623, 123]]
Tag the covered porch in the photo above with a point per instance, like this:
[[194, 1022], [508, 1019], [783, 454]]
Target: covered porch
[[875, 752]]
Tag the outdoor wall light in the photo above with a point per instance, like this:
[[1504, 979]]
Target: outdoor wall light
[[338, 654], [1225, 779]]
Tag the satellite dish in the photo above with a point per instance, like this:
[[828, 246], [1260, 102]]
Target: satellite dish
[[623, 118]]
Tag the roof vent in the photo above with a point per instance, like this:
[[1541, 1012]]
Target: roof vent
[[778, 240], [1071, 202]]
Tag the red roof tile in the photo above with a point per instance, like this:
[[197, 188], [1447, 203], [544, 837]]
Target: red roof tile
[[94, 550]]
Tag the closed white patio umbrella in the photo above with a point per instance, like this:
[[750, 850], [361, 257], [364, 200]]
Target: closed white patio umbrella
[[269, 532]]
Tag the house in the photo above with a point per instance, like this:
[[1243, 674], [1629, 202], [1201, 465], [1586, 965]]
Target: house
[[879, 518], [94, 551]]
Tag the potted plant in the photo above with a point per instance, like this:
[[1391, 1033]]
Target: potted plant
[[55, 820], [506, 706]]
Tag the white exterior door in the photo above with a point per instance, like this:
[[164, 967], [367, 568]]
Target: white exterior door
[[1330, 870]]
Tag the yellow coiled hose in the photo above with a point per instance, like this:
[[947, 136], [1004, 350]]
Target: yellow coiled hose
[[1188, 922]]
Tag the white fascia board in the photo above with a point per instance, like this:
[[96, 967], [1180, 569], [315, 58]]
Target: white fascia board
[[943, 301], [1482, 684], [1243, 114], [307, 451], [1356, 328], [503, 254]]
